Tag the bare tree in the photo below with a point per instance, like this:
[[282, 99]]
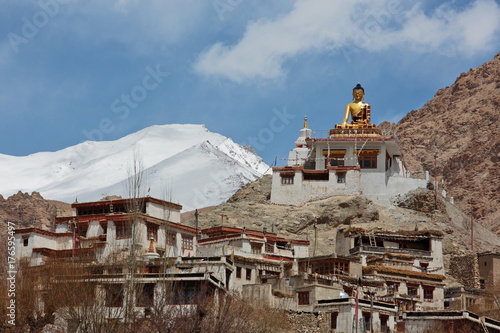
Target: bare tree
[[135, 209]]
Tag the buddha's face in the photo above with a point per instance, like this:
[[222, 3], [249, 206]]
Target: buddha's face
[[358, 94]]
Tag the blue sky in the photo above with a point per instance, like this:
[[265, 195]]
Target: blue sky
[[74, 70]]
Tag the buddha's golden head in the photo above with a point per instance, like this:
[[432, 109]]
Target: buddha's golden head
[[358, 92]]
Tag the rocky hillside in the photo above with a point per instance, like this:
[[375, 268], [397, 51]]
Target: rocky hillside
[[458, 131], [250, 207]]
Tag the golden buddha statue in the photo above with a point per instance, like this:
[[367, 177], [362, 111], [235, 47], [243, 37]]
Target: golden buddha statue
[[359, 110], [360, 118]]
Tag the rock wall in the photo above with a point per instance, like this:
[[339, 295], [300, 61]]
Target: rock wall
[[465, 269], [310, 322]]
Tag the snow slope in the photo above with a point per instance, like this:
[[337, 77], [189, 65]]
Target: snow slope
[[182, 163]]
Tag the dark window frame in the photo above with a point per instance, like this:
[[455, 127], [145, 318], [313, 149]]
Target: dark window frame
[[341, 177], [187, 242], [303, 297], [368, 161], [287, 180], [123, 230]]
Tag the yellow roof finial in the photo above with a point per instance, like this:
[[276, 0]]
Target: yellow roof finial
[[306, 125]]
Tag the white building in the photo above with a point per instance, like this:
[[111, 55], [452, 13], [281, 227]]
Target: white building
[[258, 256], [409, 262], [103, 230], [352, 160]]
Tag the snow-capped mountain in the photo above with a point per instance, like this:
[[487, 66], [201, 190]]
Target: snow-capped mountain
[[186, 164]]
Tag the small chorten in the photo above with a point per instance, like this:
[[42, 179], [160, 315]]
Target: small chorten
[[301, 151], [151, 254], [304, 133]]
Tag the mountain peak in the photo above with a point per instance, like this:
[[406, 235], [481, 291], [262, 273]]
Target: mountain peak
[[168, 153]]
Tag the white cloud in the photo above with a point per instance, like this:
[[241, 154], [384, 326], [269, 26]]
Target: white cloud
[[448, 31], [321, 25]]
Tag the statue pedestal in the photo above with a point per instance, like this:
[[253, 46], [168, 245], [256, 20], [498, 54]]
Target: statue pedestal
[[355, 130]]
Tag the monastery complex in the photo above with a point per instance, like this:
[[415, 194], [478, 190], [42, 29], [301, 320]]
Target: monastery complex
[[370, 282]]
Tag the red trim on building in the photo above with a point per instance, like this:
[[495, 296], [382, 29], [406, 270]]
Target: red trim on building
[[303, 242], [280, 258], [343, 168], [221, 232], [350, 139], [62, 253], [124, 202], [288, 168], [122, 217], [43, 232]]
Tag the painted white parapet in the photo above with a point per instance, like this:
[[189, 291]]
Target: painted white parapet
[[307, 190], [381, 189]]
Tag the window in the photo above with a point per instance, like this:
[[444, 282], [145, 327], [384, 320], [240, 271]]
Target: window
[[368, 161], [238, 272], [413, 290], [287, 180], [388, 161], [392, 287], [151, 269], [334, 157], [25, 241], [383, 322], [256, 248], [187, 242], [114, 295], [334, 320], [170, 238], [81, 229], [287, 177], [469, 302], [367, 319], [249, 274], [152, 231], [123, 230], [330, 267], [186, 292], [145, 295], [428, 292], [337, 161], [270, 247], [303, 297], [316, 175], [341, 177]]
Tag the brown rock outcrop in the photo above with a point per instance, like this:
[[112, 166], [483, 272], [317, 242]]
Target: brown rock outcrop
[[458, 132], [28, 210]]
